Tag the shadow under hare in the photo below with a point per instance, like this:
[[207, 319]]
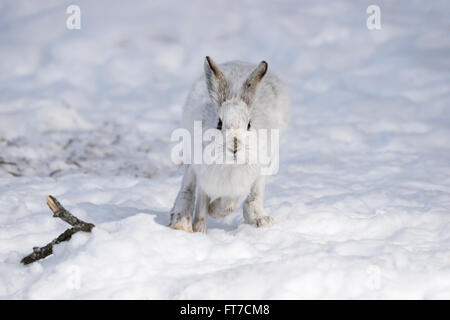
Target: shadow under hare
[[235, 99]]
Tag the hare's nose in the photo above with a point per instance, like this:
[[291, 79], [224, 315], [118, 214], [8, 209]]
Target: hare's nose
[[233, 145]]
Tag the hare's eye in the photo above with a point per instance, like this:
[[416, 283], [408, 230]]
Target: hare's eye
[[248, 126], [219, 125]]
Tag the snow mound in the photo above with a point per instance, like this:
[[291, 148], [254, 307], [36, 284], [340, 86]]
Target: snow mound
[[41, 117]]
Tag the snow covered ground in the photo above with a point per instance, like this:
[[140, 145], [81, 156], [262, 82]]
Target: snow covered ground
[[362, 198]]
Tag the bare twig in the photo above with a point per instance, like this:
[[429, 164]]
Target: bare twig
[[69, 161], [69, 142], [8, 162], [51, 174], [60, 212]]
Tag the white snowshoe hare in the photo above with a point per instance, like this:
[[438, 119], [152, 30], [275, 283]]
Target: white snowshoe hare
[[234, 97]]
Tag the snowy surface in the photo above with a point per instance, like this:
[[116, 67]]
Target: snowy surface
[[362, 198]]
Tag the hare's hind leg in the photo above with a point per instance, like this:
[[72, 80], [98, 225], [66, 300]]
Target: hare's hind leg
[[181, 213], [254, 212], [201, 211], [223, 206]]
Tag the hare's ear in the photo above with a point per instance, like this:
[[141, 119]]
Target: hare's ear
[[249, 88], [217, 84]]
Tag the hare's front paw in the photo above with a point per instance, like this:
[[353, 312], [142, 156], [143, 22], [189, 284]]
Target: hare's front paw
[[200, 226], [180, 222], [259, 221], [264, 221], [256, 215]]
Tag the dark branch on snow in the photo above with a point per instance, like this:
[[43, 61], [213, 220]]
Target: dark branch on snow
[[60, 212]]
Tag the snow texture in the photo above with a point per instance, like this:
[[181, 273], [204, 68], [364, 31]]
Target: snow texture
[[362, 197]]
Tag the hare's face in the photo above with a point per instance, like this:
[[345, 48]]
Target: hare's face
[[234, 122], [234, 108]]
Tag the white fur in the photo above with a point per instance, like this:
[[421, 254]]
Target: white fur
[[270, 109]]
